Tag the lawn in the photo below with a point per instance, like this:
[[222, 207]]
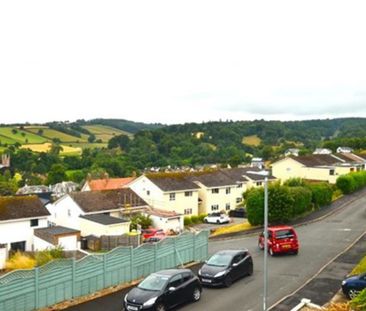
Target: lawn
[[51, 134], [253, 140], [67, 150], [232, 228], [105, 133], [21, 136]]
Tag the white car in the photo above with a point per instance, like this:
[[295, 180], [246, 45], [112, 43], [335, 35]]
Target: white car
[[217, 218]]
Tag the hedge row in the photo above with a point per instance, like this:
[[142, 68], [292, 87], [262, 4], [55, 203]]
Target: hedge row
[[193, 220], [351, 182], [285, 202]]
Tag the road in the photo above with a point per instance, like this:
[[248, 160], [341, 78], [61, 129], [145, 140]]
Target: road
[[320, 242]]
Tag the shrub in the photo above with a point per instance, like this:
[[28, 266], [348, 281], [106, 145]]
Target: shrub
[[142, 220], [201, 217], [322, 194], [359, 303], [20, 261], [302, 200], [43, 257], [255, 206], [295, 182], [195, 219], [187, 221], [346, 183]]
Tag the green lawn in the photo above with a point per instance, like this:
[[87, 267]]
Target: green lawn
[[105, 133], [51, 134], [6, 140], [21, 136]]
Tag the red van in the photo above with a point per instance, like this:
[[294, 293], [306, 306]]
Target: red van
[[281, 239]]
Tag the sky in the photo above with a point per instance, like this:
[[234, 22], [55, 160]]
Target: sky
[[181, 61]]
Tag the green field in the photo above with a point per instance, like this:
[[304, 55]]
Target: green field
[[88, 145], [105, 133], [253, 140], [51, 134], [22, 136], [6, 140]]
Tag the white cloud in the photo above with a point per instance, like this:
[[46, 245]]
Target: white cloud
[[170, 61]]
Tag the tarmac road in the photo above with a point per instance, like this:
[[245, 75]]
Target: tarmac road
[[320, 242]]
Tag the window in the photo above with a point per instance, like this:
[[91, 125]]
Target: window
[[188, 211], [148, 192], [186, 276], [188, 193], [352, 169], [215, 190], [215, 207], [172, 196], [240, 186], [238, 200], [34, 223], [331, 172], [175, 281], [227, 206], [259, 183], [238, 258], [228, 190]]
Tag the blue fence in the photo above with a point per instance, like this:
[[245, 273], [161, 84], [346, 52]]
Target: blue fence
[[25, 290]]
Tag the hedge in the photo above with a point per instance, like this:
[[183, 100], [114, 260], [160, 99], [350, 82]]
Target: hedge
[[302, 200], [322, 194], [351, 182]]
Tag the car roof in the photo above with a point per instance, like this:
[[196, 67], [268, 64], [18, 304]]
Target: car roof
[[171, 272], [275, 228], [231, 251]]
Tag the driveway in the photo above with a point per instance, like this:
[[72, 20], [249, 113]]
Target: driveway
[[204, 226], [320, 243]]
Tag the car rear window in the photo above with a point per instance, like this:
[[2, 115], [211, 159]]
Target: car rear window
[[284, 234]]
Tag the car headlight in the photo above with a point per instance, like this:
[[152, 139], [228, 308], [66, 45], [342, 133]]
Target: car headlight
[[343, 282], [125, 299], [150, 302], [199, 272], [217, 275]]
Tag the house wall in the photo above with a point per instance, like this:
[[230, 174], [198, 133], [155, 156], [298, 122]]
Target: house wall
[[161, 200], [176, 224], [221, 199], [286, 169], [20, 230], [65, 212], [88, 227], [40, 244], [69, 243], [3, 257]]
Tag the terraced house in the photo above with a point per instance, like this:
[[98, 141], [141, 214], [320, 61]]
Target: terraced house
[[319, 167]]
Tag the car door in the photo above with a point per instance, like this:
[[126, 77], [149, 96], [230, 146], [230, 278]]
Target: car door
[[174, 291], [247, 263], [187, 286], [236, 267], [362, 283]]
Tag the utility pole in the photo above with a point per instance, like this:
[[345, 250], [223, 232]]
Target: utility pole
[[265, 243]]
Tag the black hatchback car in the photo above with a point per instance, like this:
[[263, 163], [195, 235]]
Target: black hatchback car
[[224, 267], [163, 290], [353, 285]]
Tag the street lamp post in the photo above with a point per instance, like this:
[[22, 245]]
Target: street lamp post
[[265, 243]]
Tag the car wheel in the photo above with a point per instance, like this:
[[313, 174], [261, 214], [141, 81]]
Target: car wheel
[[218, 221], [196, 295], [228, 281], [352, 293], [271, 251], [296, 252], [205, 221], [160, 307], [250, 270]]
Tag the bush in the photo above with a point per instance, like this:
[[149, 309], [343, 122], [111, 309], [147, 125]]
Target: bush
[[322, 194], [202, 217], [20, 261], [302, 200], [43, 257], [359, 303], [295, 182], [187, 221], [142, 220], [195, 219], [346, 183]]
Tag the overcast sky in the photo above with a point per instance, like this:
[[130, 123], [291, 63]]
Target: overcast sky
[[181, 61]]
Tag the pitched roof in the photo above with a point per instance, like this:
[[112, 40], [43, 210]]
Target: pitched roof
[[103, 219], [214, 179], [162, 213], [316, 160], [48, 234], [109, 183], [354, 157], [242, 174], [17, 207], [173, 183], [96, 201]]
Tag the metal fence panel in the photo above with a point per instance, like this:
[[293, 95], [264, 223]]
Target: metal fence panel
[[26, 290]]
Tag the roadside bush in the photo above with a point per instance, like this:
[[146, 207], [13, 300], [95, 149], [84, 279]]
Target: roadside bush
[[255, 206], [201, 217], [295, 182], [346, 183], [20, 261], [302, 200], [359, 303], [187, 221], [195, 219], [322, 194]]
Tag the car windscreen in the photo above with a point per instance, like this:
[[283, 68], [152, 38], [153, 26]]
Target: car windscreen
[[220, 260], [154, 282], [284, 234]]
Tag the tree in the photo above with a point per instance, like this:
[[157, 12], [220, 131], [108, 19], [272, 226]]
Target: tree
[[14, 131], [121, 141], [142, 220], [40, 132], [56, 174], [91, 138], [8, 188], [56, 148]]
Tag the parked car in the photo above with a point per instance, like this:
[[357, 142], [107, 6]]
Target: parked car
[[224, 267], [154, 239], [148, 233], [353, 285], [238, 212], [217, 218], [281, 239], [163, 290]]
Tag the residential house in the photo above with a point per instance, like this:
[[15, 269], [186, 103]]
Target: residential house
[[166, 220], [292, 151], [344, 150], [257, 162], [322, 151], [169, 192], [19, 216], [106, 184], [319, 167], [109, 209], [62, 188]]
